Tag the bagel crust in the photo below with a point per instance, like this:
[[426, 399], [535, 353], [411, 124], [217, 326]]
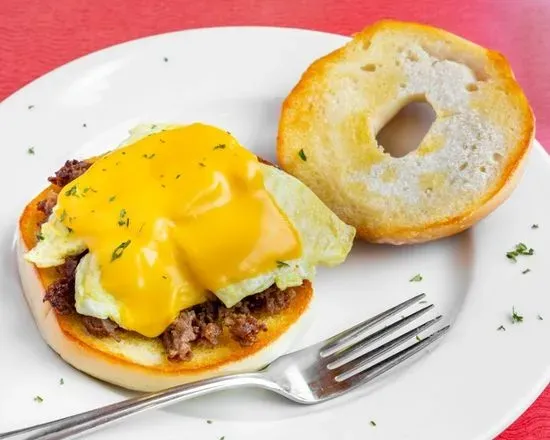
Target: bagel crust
[[140, 363], [467, 164]]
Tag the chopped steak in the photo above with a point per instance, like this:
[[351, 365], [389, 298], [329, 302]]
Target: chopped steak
[[270, 301], [68, 268], [100, 327], [244, 328], [209, 333], [68, 172], [60, 294], [178, 335], [46, 205]]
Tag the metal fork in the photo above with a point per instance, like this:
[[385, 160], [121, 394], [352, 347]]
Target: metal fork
[[315, 374]]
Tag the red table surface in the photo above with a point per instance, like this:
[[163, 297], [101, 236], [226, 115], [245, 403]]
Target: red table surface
[[37, 36]]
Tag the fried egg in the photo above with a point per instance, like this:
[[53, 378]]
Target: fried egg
[[179, 211]]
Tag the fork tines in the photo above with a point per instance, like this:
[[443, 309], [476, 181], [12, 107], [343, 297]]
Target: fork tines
[[346, 356]]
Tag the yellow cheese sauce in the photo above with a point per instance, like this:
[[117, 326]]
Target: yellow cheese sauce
[[173, 215]]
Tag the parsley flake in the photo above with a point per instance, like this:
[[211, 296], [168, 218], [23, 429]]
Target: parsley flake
[[534, 226], [209, 422], [61, 381], [38, 399], [84, 125], [222, 437], [540, 318], [122, 218], [520, 249], [516, 317], [117, 253], [202, 164], [71, 191], [40, 236], [219, 147], [149, 156], [302, 155], [63, 215], [526, 271], [165, 59], [417, 278], [30, 107], [112, 198], [164, 277], [418, 338], [178, 176], [501, 328], [30, 151], [372, 423], [423, 302], [281, 264]]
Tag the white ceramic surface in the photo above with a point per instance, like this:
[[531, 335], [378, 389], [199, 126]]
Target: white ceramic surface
[[470, 386]]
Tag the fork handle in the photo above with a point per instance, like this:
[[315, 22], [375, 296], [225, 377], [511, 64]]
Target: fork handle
[[72, 426]]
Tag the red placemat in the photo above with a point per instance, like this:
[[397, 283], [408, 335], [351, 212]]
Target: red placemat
[[37, 36]]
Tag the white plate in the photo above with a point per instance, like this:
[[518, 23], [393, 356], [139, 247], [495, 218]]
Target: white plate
[[468, 387]]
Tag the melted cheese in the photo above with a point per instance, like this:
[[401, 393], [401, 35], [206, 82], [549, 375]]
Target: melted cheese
[[172, 216]]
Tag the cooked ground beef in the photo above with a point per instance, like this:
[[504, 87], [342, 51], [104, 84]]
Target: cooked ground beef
[[46, 205], [177, 337], [100, 328], [244, 328], [60, 294], [210, 333], [68, 172]]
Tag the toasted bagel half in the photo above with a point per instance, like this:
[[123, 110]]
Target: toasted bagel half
[[466, 165], [140, 363]]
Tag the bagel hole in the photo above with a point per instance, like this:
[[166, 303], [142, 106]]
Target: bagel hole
[[369, 67], [472, 87], [403, 133]]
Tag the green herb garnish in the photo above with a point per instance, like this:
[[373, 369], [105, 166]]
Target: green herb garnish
[[149, 156], [526, 271], [38, 399], [165, 59], [122, 218], [534, 226], [423, 302], [202, 164], [418, 338], [520, 249], [30, 107], [501, 328], [282, 264], [372, 423], [30, 150], [219, 147], [302, 155], [63, 215], [540, 318], [84, 125], [71, 191], [40, 236], [178, 176], [416, 278], [516, 317], [112, 198], [61, 381], [209, 422], [117, 253]]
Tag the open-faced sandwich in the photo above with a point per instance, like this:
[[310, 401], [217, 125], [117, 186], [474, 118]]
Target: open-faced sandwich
[[177, 256]]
